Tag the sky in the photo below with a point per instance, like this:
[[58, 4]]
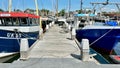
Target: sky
[[62, 4]]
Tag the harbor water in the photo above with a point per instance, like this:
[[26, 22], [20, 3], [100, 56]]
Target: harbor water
[[15, 57], [117, 49]]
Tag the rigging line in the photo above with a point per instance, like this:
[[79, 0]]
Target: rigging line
[[54, 5], [38, 4], [101, 37], [52, 2], [42, 12], [118, 7], [16, 7], [17, 38], [23, 5], [42, 4], [3, 5], [26, 36], [39, 7]]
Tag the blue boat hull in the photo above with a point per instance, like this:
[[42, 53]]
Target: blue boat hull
[[10, 40], [103, 45]]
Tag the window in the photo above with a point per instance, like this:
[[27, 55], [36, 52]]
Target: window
[[8, 21], [5, 21], [15, 21], [23, 21], [2, 22], [33, 21]]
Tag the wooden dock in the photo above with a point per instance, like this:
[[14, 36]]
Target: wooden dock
[[56, 50]]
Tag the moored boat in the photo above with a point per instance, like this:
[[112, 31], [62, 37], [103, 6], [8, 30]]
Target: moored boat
[[103, 37], [17, 25]]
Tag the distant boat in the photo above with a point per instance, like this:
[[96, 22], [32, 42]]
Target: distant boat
[[17, 25], [103, 37]]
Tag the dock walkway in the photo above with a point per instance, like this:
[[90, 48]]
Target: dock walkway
[[56, 43], [56, 50]]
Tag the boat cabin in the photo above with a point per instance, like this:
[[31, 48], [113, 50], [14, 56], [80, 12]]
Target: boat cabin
[[80, 20], [18, 19]]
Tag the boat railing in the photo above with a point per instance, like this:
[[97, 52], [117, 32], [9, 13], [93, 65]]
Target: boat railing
[[87, 20]]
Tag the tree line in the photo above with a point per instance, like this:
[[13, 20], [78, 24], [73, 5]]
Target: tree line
[[45, 12]]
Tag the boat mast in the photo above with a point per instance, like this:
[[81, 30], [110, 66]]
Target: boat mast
[[53, 7], [57, 7], [118, 7], [36, 4], [10, 5], [81, 3], [37, 13], [69, 7]]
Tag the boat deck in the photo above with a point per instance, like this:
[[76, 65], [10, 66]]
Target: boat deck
[[56, 50]]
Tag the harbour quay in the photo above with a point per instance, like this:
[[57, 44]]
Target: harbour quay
[[57, 50]]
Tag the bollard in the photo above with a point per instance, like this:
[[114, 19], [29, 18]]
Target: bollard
[[69, 27], [66, 24], [41, 34], [73, 33], [85, 50], [50, 24], [47, 27], [24, 49]]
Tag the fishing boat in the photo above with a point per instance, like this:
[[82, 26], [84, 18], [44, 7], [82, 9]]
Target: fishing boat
[[103, 37], [17, 25]]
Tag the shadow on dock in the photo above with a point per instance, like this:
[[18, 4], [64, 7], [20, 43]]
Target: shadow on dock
[[76, 56], [69, 38]]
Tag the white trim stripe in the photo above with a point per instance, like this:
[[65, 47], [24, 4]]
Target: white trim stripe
[[15, 38], [21, 28], [101, 27]]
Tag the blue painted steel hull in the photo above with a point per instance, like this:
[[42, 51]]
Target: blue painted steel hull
[[105, 44], [10, 40]]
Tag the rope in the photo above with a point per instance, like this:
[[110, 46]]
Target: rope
[[17, 39], [101, 37], [25, 35]]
